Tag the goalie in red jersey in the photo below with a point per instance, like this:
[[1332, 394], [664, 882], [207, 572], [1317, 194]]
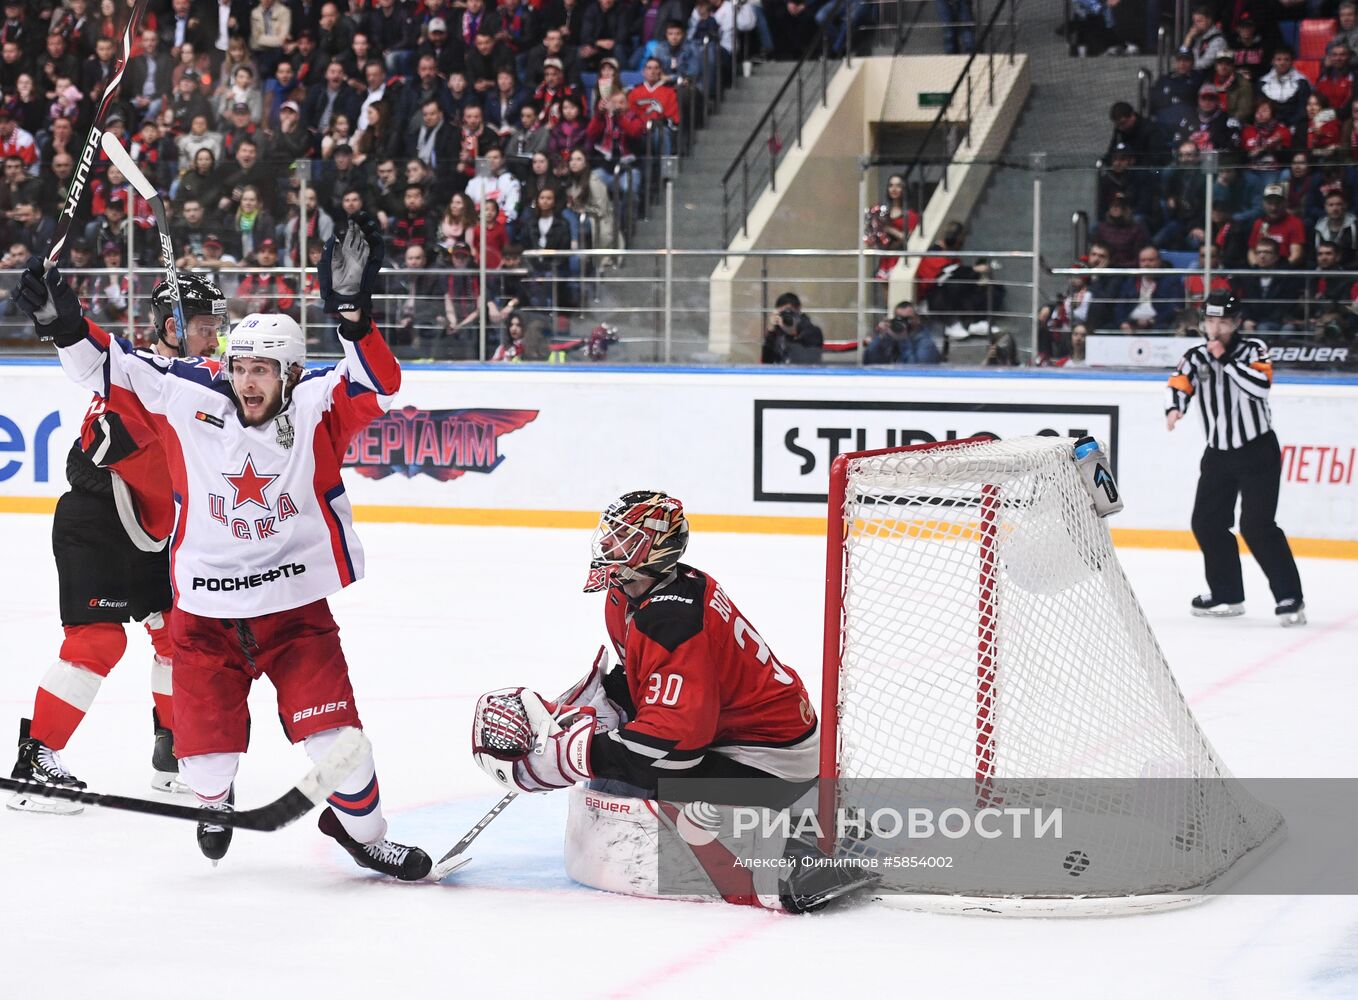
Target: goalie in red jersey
[[698, 692]]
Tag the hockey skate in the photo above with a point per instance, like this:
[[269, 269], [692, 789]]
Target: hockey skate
[[1291, 612], [814, 884], [409, 864], [214, 838], [164, 767], [41, 764], [1207, 606]]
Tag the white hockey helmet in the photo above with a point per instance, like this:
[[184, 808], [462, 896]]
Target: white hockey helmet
[[267, 335]]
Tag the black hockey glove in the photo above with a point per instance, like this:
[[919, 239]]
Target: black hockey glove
[[50, 303], [347, 274]]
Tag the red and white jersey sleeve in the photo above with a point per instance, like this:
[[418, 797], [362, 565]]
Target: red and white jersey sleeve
[[262, 521], [703, 681]]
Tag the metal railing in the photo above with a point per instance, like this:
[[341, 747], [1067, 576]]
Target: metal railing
[[807, 86]]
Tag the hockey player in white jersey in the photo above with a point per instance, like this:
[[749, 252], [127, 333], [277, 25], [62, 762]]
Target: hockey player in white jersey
[[263, 532]]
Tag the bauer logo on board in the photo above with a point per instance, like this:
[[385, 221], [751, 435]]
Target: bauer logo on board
[[796, 440], [443, 444]]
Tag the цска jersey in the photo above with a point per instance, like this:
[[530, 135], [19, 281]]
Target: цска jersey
[[262, 520], [702, 680]]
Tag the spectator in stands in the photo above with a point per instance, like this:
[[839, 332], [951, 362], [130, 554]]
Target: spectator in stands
[[199, 136], [1183, 201], [1141, 135], [1137, 186], [613, 133], [340, 133], [111, 298], [1265, 135], [901, 339], [1270, 302], [1003, 349], [462, 300], [1339, 227], [338, 177], [1286, 88], [1205, 39], [1248, 46], [540, 175], [1229, 237], [30, 106], [249, 171], [1331, 295], [1336, 78], [1122, 234], [1150, 301], [418, 315], [1178, 86], [1207, 127], [448, 52], [54, 183], [270, 26], [293, 141], [188, 103], [587, 197], [475, 139], [605, 31], [394, 34], [146, 81], [319, 227], [328, 98], [571, 132], [17, 186], [1104, 289], [1348, 27], [413, 226], [1280, 229], [658, 107], [543, 227], [888, 225], [242, 91], [503, 104], [1235, 93], [553, 91], [459, 219], [530, 138], [240, 127], [250, 225], [265, 290], [34, 228], [728, 17], [1058, 318], [203, 183], [791, 338], [431, 140], [497, 235], [519, 342], [1194, 286], [552, 46], [793, 24], [486, 58], [501, 185]]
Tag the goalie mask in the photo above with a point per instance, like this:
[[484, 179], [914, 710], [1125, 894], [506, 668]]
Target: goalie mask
[[641, 535], [198, 296]]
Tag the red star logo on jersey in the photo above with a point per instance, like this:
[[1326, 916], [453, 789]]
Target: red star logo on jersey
[[213, 366], [249, 485]]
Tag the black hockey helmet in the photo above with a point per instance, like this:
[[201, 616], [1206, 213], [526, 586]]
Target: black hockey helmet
[[641, 534], [1222, 302], [198, 296]]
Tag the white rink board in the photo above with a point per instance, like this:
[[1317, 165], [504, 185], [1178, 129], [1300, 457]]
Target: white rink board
[[738, 443]]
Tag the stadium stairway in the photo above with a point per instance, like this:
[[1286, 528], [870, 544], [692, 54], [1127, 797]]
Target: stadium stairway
[[1066, 116], [697, 226]]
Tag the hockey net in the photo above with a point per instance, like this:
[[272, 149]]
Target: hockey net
[[980, 629]]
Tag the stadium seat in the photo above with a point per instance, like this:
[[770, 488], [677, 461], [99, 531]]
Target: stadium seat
[[1288, 31], [1309, 68], [1179, 258], [1315, 35]]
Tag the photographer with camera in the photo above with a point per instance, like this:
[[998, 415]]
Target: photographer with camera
[[901, 339], [791, 338]]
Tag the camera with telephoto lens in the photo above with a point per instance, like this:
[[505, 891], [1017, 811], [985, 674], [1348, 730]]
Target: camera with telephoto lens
[[788, 317], [899, 324]]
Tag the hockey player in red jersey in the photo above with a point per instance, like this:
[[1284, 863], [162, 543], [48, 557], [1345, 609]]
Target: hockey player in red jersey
[[109, 539], [263, 530], [698, 692]]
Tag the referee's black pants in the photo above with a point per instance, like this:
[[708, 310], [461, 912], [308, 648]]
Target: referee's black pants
[[1253, 473]]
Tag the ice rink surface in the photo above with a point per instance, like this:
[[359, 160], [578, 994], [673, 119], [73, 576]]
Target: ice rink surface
[[111, 905]]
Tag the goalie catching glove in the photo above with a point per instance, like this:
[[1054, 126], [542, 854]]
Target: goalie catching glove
[[530, 745]]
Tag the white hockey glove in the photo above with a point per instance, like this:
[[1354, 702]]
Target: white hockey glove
[[517, 740], [588, 691]]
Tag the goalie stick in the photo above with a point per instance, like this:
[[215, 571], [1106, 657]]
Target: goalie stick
[[453, 860], [88, 152], [122, 159], [293, 804]]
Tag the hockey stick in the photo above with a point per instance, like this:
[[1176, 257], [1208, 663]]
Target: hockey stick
[[296, 802], [91, 147], [122, 159], [452, 861]]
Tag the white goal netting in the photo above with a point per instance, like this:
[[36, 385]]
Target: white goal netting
[[990, 637]]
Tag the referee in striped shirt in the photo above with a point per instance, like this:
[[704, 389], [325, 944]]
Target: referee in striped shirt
[[1230, 376]]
